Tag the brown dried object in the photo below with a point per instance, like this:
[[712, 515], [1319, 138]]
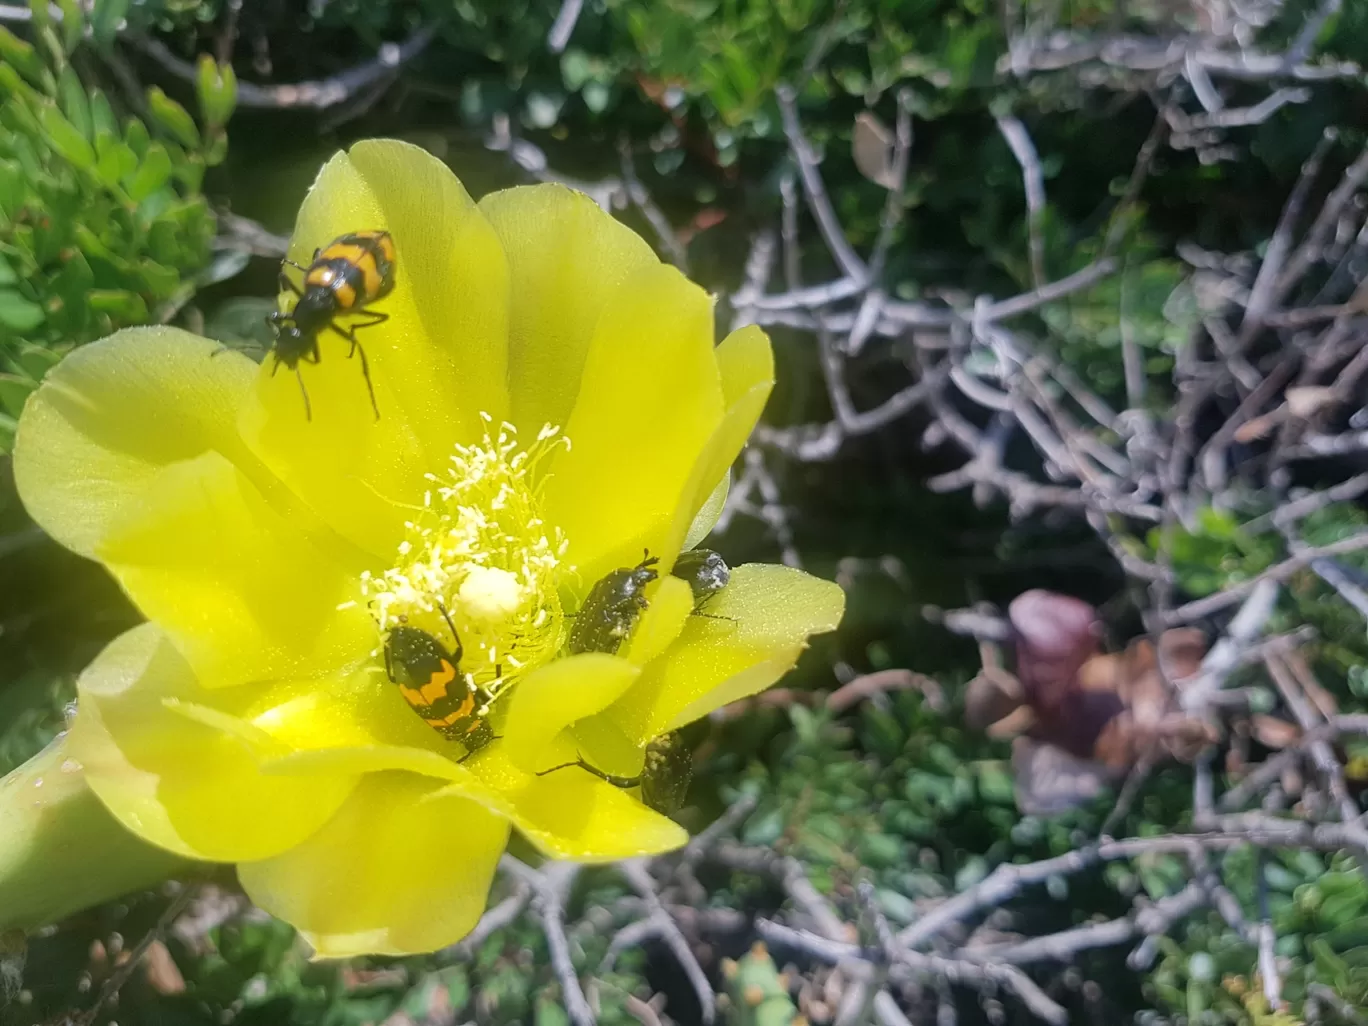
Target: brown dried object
[[1081, 716]]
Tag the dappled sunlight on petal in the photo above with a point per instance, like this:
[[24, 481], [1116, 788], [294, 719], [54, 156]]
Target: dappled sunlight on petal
[[746, 364], [112, 415], [650, 399], [558, 694], [237, 587], [664, 618], [566, 258], [571, 814], [755, 630], [396, 871], [175, 779]]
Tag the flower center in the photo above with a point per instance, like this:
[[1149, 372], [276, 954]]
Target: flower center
[[480, 561]]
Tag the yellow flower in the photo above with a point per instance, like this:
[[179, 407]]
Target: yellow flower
[[551, 404]]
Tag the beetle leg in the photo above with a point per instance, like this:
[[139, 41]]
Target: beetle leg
[[286, 283], [459, 650], [308, 407], [610, 778], [376, 317], [350, 335]]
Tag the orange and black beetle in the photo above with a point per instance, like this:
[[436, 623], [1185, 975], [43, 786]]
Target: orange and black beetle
[[345, 276], [430, 679]]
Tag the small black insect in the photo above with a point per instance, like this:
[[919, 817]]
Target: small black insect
[[664, 778], [705, 571], [345, 275], [612, 609]]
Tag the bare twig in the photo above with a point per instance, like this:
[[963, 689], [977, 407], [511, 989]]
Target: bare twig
[[1277, 573], [125, 969], [559, 36], [1271, 768], [1261, 295], [1006, 881], [317, 95], [917, 964], [1288, 513], [882, 681], [893, 205], [1268, 963], [505, 913], [818, 202], [1033, 180], [640, 879], [549, 886]]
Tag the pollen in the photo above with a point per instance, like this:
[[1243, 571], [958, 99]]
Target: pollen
[[480, 559]]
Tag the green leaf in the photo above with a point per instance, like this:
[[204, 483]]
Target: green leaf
[[70, 286], [190, 172], [123, 306], [18, 314], [14, 392], [173, 118], [550, 1013], [161, 281], [105, 18], [596, 96], [36, 361], [152, 173], [136, 136], [217, 88], [51, 43], [163, 244], [73, 24], [24, 94], [66, 140], [71, 94], [41, 17], [217, 149], [7, 275], [102, 114], [14, 189], [241, 320], [93, 246], [21, 55], [109, 164]]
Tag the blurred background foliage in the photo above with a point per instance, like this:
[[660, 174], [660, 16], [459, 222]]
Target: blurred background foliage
[[125, 155]]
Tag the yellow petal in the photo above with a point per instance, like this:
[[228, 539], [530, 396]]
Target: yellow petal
[[566, 257], [708, 514], [238, 588], [746, 363], [361, 759], [601, 742], [671, 603], [571, 814], [111, 415], [754, 632], [183, 785], [650, 399], [436, 363], [556, 695], [361, 708], [389, 874], [568, 813]]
